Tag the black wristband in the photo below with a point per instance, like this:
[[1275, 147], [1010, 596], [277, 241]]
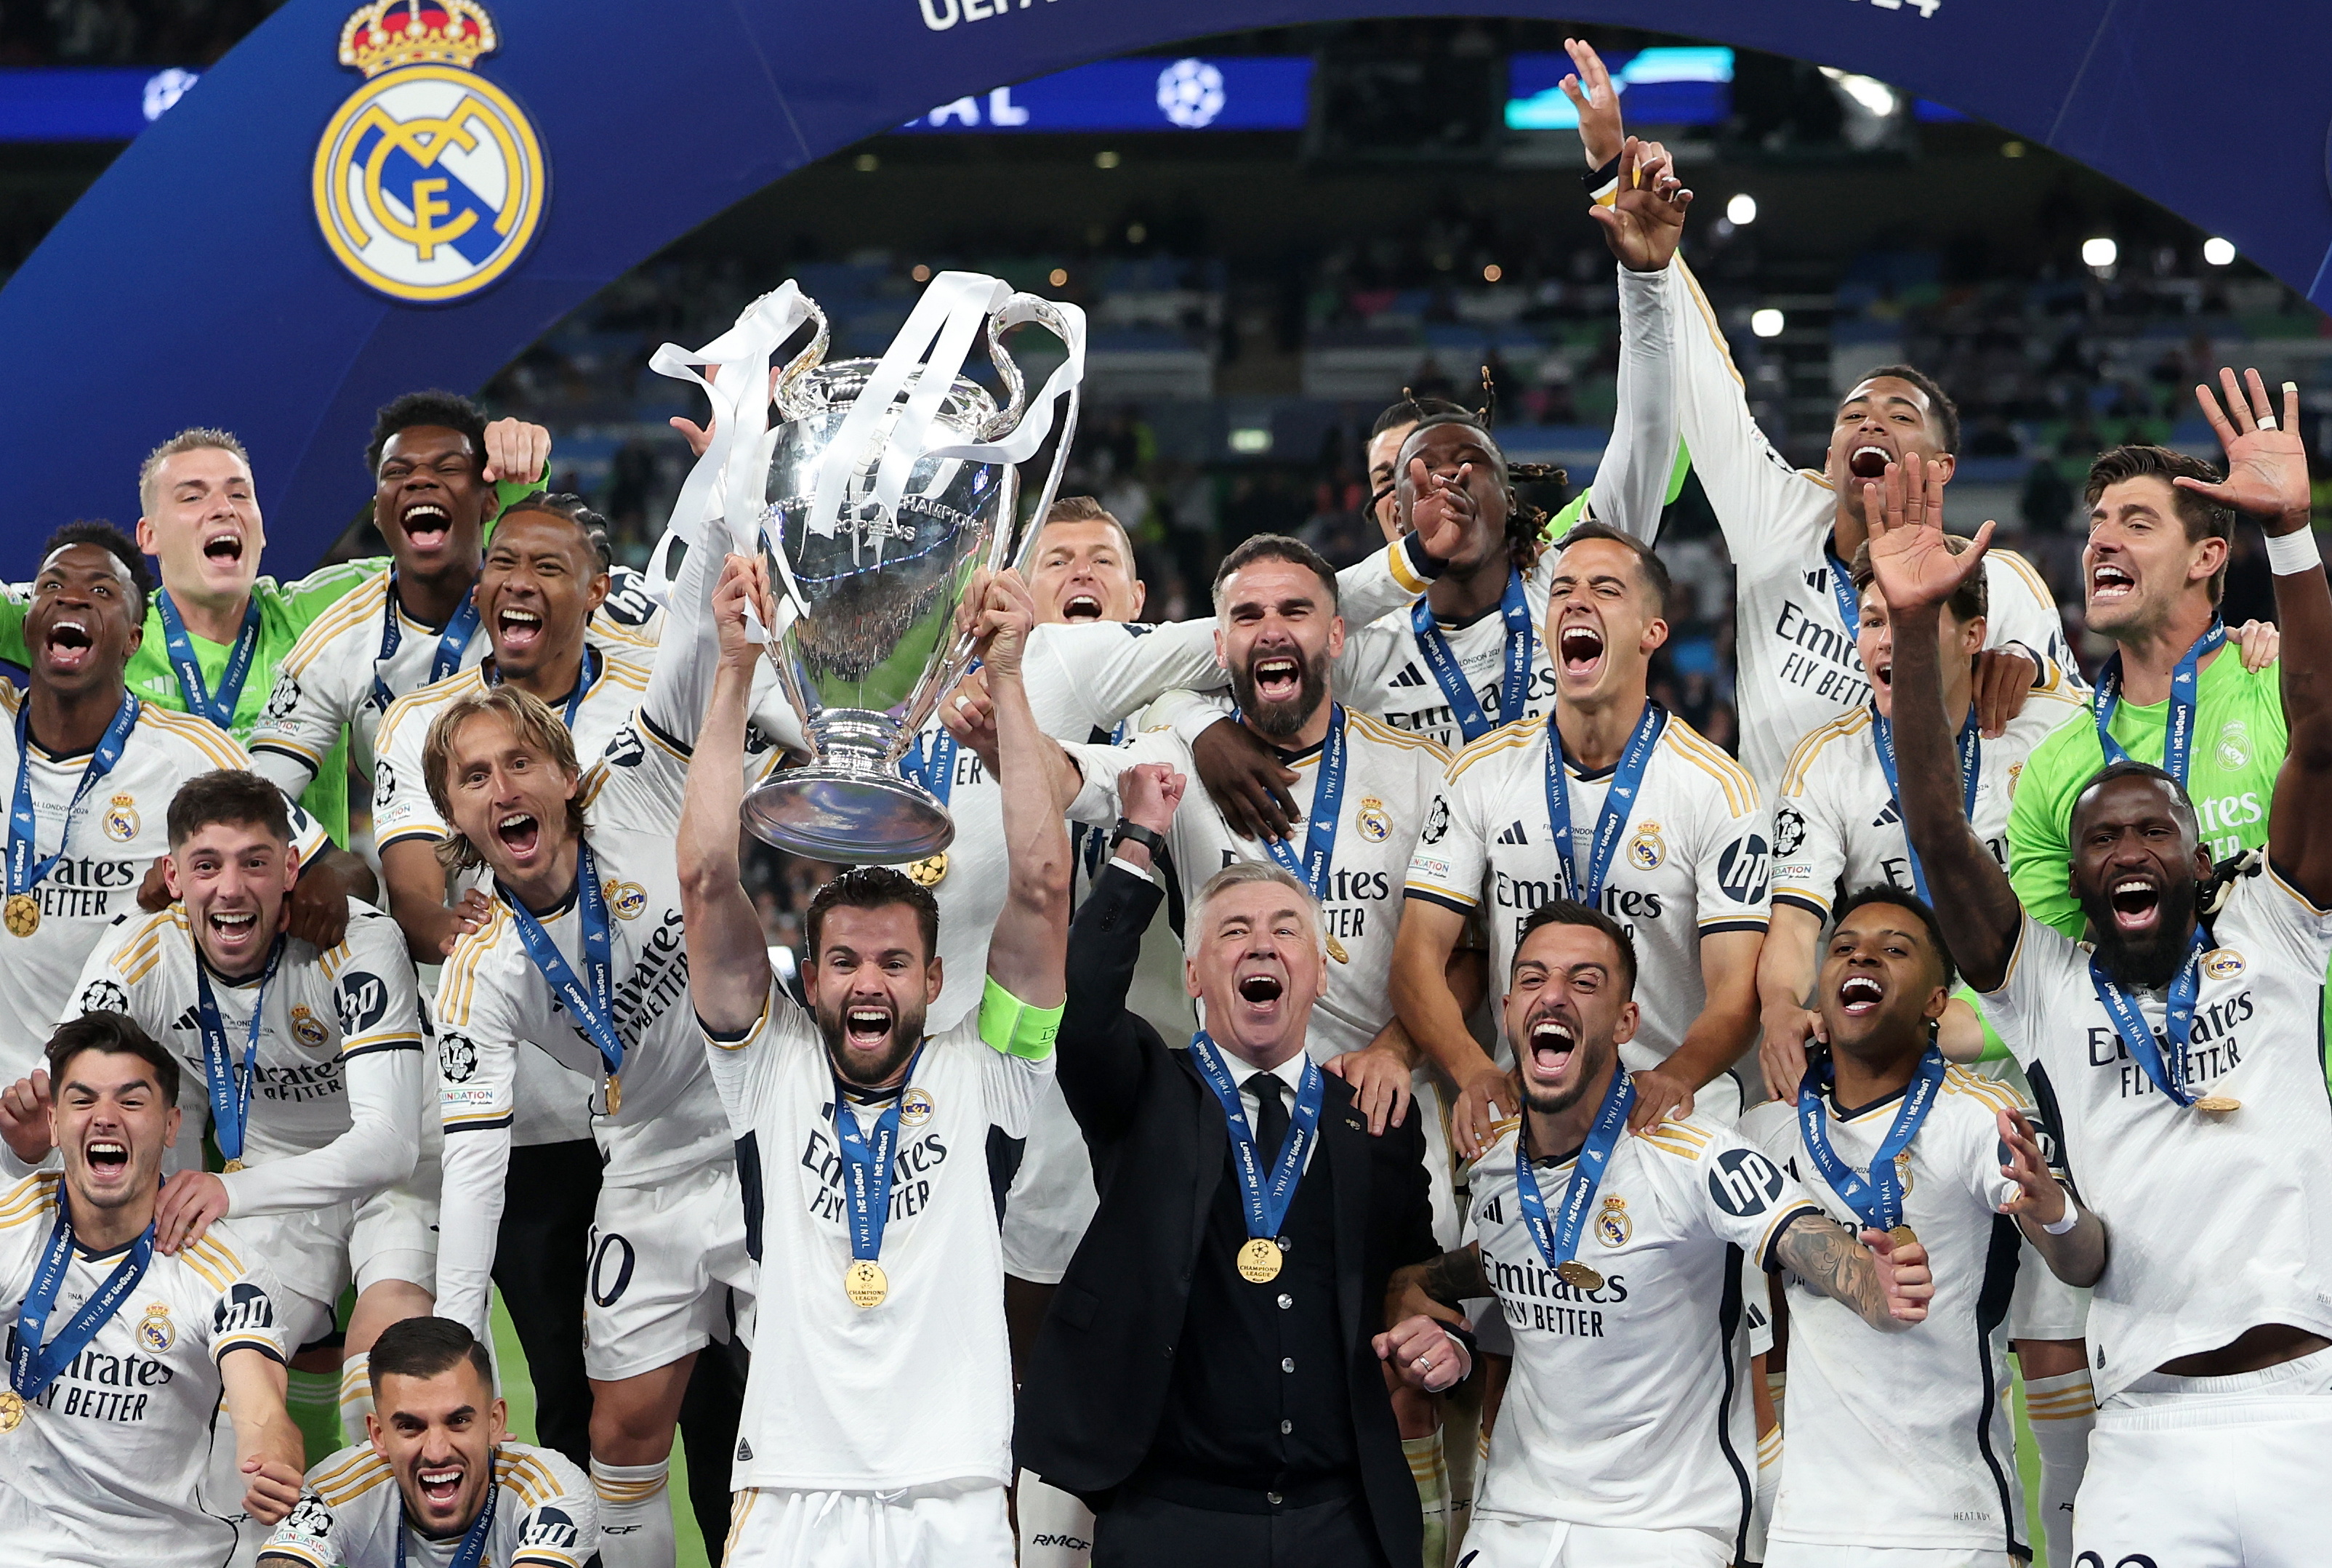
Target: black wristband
[[1153, 841], [1596, 179]]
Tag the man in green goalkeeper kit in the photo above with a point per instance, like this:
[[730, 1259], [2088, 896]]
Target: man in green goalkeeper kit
[[217, 630]]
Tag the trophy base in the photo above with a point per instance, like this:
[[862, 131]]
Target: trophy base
[[848, 816]]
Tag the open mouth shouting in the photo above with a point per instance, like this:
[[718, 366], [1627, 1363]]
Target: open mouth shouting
[[1579, 647], [69, 644], [224, 547], [517, 631], [1869, 460], [2110, 584], [108, 1159], [1861, 995], [2136, 905], [232, 929], [521, 833], [1278, 677], [867, 1026], [1080, 608], [1261, 991], [1551, 1043], [1882, 674], [440, 1486], [426, 526]]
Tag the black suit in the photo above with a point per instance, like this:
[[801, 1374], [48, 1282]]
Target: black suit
[[1104, 1373]]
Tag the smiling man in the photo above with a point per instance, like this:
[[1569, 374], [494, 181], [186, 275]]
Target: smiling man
[[2177, 1053], [122, 1357], [438, 1480]]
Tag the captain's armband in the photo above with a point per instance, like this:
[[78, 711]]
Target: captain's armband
[[1011, 1026]]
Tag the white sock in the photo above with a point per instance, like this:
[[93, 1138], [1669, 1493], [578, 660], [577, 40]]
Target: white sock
[[2061, 1411], [635, 1528], [356, 1396], [1769, 1487], [1427, 1468]]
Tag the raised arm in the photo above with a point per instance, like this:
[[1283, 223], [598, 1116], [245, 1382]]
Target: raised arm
[[729, 959], [2075, 1253], [1099, 1054], [1913, 569], [2266, 480], [1027, 951]]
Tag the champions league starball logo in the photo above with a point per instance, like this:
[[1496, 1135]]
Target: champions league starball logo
[[429, 183]]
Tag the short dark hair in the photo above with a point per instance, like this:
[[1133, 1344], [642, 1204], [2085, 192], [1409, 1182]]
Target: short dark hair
[[421, 1347], [1650, 566], [96, 531], [1085, 509], [1970, 599], [110, 1034], [229, 795], [1895, 898], [574, 509], [1939, 402], [2202, 517], [1413, 411], [445, 410], [2131, 768], [873, 887], [1275, 546], [1571, 911]]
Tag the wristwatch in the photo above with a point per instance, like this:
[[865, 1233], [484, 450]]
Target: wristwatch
[[1153, 841]]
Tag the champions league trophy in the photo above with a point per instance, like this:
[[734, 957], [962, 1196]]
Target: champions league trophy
[[886, 484]]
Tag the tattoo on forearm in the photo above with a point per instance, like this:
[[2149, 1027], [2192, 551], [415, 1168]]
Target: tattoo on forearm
[[1455, 1276], [1826, 1257]]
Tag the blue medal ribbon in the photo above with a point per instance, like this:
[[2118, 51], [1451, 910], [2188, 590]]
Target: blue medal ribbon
[[472, 1549], [591, 1006], [453, 643], [218, 710], [931, 763], [1521, 643], [1556, 1237], [1618, 801], [25, 873], [2178, 734], [1842, 594], [231, 1098], [1876, 1199], [32, 1367], [866, 1166], [583, 682], [1971, 743], [1263, 1197], [1327, 808], [2169, 1076]]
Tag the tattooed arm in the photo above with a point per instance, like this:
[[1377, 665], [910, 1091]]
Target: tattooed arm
[[1434, 1288], [1887, 1285]]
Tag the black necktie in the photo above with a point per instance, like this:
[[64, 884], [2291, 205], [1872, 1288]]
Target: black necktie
[[1271, 1115]]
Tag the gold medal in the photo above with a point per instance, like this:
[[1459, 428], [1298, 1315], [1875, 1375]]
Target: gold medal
[[1904, 1236], [864, 1283], [1259, 1261], [22, 914], [1578, 1276], [233, 1166], [931, 871], [12, 1409], [2218, 1105], [1336, 951], [615, 1093]]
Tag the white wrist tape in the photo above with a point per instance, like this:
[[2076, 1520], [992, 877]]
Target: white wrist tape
[[2070, 1218], [2288, 554]]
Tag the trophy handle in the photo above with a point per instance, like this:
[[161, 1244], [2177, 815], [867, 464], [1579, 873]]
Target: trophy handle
[[784, 393], [1015, 545]]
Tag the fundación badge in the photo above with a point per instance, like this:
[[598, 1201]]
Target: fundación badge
[[429, 181]]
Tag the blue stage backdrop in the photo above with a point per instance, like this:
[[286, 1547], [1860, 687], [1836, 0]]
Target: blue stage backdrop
[[347, 206]]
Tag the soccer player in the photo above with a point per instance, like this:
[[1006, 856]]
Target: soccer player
[[121, 1356], [413, 620], [1625, 1434], [438, 1474], [580, 957], [873, 1214], [307, 1062], [542, 582], [92, 767], [1616, 803], [1903, 1445], [2178, 1054]]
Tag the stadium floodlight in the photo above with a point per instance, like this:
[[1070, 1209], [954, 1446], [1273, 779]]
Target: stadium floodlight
[[1767, 322], [2219, 252], [1251, 441], [2100, 252], [1741, 209]]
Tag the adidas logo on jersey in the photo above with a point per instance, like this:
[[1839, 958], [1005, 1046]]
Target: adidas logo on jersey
[[1514, 835], [744, 1452], [1818, 578], [1408, 676], [1892, 817]]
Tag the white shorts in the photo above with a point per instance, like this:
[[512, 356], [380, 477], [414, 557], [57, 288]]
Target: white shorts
[[2211, 1472], [959, 1524], [316, 1253], [1052, 1198], [662, 1261], [1801, 1554], [2044, 1307], [1500, 1543], [1429, 1102]]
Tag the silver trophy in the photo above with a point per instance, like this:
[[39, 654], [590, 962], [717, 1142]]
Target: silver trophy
[[872, 549]]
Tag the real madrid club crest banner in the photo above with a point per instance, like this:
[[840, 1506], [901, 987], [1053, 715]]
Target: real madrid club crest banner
[[348, 206]]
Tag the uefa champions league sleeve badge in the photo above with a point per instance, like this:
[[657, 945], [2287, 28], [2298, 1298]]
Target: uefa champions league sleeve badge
[[429, 181]]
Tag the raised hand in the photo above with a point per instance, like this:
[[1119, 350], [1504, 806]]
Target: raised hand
[[2037, 1194], [515, 450], [1007, 613], [1911, 564], [1598, 101], [969, 714], [25, 1117], [744, 584], [1443, 510], [1646, 219], [2267, 461], [1148, 795]]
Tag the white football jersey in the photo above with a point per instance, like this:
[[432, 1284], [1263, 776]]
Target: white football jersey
[[1385, 670], [1629, 1405], [1388, 776], [108, 1465], [2214, 1222], [1837, 828], [337, 1111], [823, 1410], [1798, 667], [117, 833], [350, 1515], [1691, 862], [1902, 1440]]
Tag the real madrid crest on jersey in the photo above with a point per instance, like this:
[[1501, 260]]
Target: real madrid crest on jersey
[[309, 1028], [1613, 1225], [2222, 963], [1374, 822], [121, 819], [1647, 849], [154, 1331], [626, 898], [429, 183]]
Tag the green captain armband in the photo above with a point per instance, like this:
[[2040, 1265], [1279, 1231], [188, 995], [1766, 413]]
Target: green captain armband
[[1995, 1049], [1014, 1027]]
